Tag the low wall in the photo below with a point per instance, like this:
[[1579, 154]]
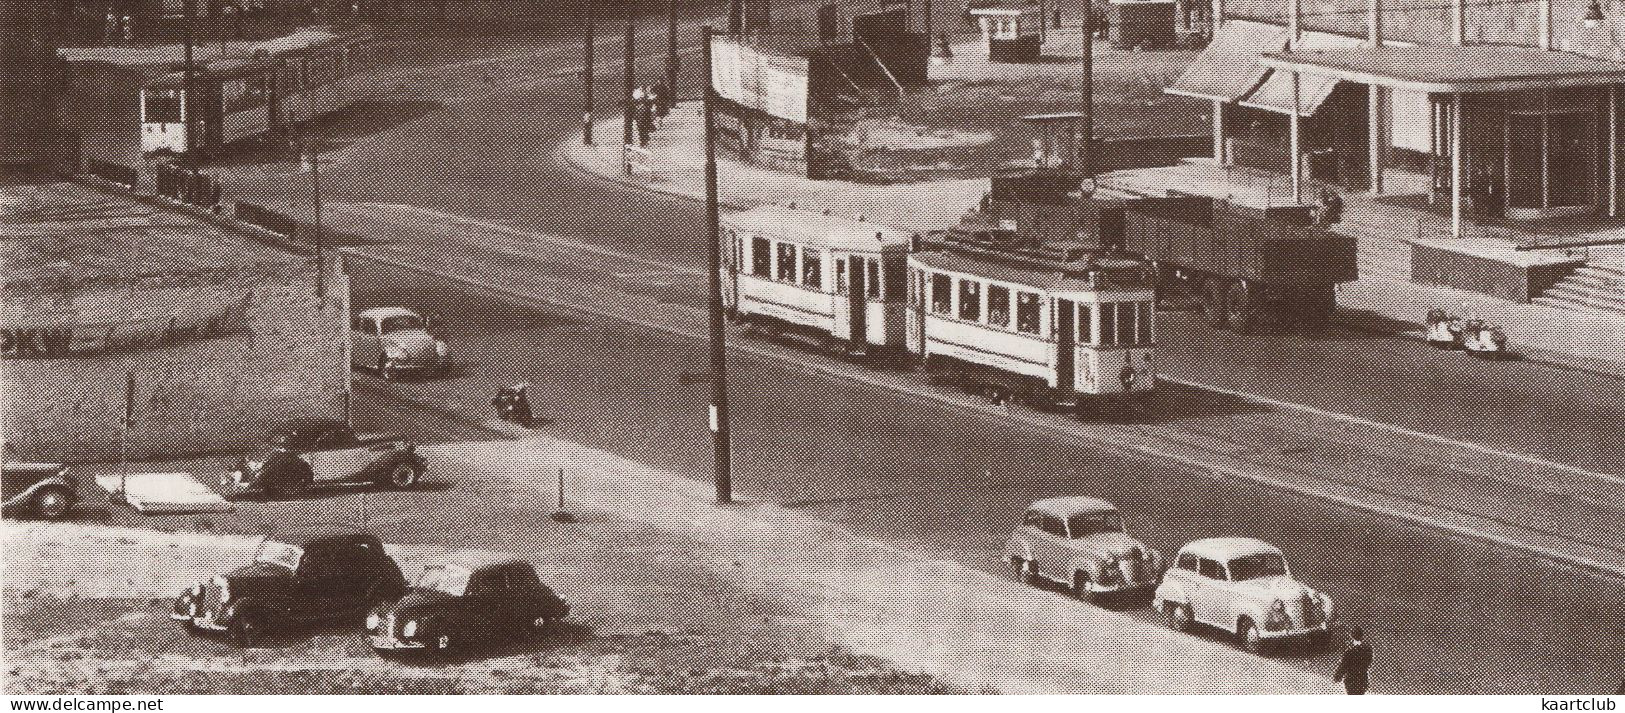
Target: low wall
[[1508, 279], [263, 351]]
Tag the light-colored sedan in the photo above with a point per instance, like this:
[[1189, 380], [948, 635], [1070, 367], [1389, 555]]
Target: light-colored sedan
[[395, 341], [1242, 585], [1079, 543]]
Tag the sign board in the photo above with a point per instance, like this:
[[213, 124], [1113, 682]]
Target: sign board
[[767, 83]]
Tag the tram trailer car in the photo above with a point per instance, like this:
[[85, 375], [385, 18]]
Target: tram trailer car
[[1247, 266], [1053, 324], [836, 280], [241, 98]]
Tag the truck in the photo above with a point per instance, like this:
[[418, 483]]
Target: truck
[[1246, 266]]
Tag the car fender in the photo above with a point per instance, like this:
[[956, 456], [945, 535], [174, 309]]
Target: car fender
[[1173, 592], [25, 497], [1250, 610], [1018, 548]]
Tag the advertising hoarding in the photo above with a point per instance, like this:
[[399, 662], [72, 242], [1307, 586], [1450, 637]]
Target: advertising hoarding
[[767, 83]]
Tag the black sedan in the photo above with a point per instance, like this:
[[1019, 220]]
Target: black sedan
[[476, 599], [315, 578]]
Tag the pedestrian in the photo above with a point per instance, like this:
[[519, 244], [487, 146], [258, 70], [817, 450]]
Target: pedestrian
[[644, 114], [1356, 664], [945, 51], [110, 29], [127, 29], [662, 102]]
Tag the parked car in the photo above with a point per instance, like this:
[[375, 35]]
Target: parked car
[[308, 579], [307, 451], [395, 341], [475, 599], [1242, 585], [1079, 543], [45, 490]]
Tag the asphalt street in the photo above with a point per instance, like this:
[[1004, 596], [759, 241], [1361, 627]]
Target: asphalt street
[[1446, 614]]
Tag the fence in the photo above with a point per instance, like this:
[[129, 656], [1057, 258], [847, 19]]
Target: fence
[[123, 175], [187, 185]]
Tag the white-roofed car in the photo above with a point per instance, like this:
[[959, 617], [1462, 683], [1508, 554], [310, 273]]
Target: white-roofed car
[[395, 341], [1079, 543], [1243, 585]]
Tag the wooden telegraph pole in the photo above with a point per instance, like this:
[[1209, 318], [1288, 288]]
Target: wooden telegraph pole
[[1086, 117], [588, 21], [671, 48], [736, 17], [723, 456]]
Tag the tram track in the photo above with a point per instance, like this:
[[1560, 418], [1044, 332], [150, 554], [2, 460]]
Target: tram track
[[1238, 458]]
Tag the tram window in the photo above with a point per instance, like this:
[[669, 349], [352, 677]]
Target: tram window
[[895, 284], [761, 257], [1027, 313], [1125, 323], [1108, 324], [812, 268], [872, 285], [941, 294], [1085, 324], [163, 106], [970, 300], [840, 275], [998, 306], [1143, 335], [787, 262]]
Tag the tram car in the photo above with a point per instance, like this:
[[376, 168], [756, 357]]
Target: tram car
[[1053, 323], [242, 98], [838, 281]]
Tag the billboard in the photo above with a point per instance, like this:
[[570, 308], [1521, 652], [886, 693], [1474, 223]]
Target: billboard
[[767, 83]]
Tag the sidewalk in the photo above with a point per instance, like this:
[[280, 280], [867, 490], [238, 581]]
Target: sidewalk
[[1592, 340]]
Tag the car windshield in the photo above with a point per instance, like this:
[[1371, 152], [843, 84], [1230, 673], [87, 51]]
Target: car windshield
[[295, 439], [1085, 524], [451, 580], [1257, 567], [278, 553], [401, 323]]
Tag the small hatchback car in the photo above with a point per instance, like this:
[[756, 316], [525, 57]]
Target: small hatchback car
[[476, 599], [1079, 543], [320, 577], [1242, 585]]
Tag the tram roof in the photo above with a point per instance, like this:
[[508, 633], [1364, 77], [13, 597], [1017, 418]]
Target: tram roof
[[1046, 279], [823, 230], [216, 71]]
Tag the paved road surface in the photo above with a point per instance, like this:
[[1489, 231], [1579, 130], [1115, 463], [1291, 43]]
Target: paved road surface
[[833, 447]]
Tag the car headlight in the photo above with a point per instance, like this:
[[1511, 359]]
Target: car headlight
[[197, 589], [410, 629], [372, 621], [440, 348]]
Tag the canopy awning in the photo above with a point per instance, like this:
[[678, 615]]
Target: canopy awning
[[1275, 94], [1229, 68], [1448, 69]]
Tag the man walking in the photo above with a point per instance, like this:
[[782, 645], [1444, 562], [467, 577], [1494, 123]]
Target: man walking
[[1356, 663]]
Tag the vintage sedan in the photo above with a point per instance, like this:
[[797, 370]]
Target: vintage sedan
[[395, 341], [327, 576], [44, 490], [1079, 543], [475, 599], [1242, 585], [307, 451]]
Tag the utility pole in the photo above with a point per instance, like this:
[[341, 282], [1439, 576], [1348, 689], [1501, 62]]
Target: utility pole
[[671, 48], [928, 21], [586, 70], [313, 163], [626, 97], [1086, 118], [723, 456], [736, 17], [190, 103]]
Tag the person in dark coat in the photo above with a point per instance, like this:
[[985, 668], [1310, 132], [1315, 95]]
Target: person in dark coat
[[1331, 207], [1356, 664]]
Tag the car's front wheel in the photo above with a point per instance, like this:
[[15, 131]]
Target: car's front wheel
[[403, 475], [1247, 634], [52, 503], [244, 631], [1080, 587], [1024, 571], [1179, 616]]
